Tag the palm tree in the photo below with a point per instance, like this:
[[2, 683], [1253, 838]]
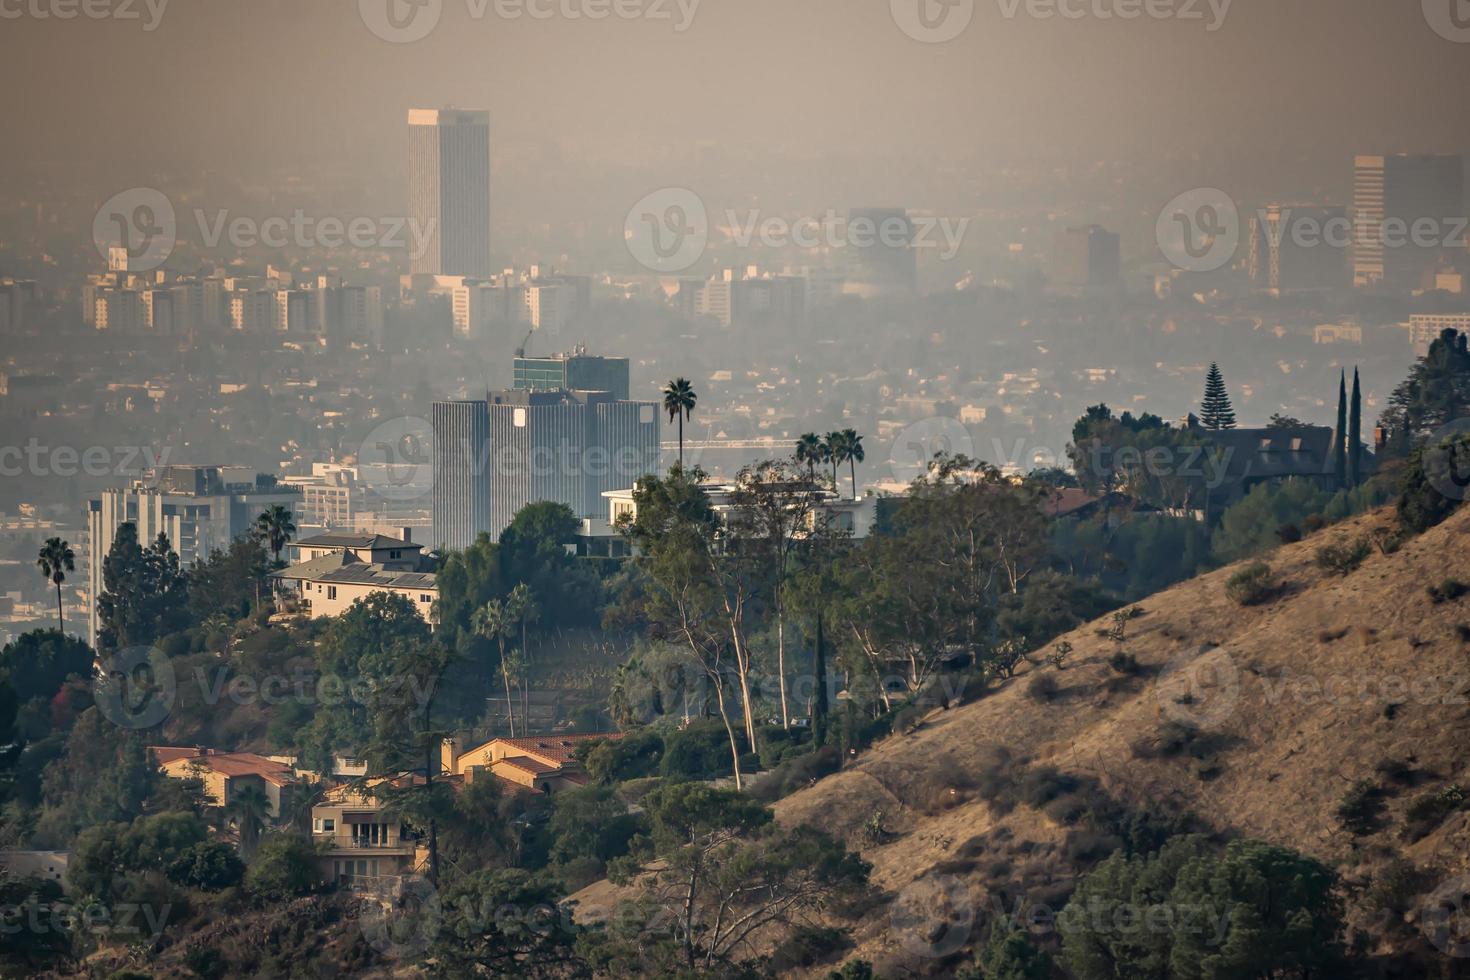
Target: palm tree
[[56, 559], [809, 451], [276, 528], [494, 622], [834, 451], [249, 809], [679, 399], [852, 448], [522, 608]]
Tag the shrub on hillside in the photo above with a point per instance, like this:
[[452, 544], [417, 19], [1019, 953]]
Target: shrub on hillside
[[1343, 557], [797, 772], [701, 751], [1361, 811], [1043, 687], [1252, 585], [1427, 812]]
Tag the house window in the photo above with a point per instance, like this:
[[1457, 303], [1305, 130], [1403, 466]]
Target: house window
[[331, 592], [394, 555], [329, 824], [424, 597]]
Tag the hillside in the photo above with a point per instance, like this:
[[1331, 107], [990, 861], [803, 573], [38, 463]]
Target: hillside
[[1293, 702]]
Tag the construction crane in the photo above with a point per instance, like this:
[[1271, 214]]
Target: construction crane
[[521, 350]]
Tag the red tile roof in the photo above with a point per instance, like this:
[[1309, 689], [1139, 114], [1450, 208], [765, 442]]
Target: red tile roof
[[555, 750]]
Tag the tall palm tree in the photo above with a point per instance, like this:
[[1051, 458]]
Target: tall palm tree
[[249, 809], [809, 451], [56, 559], [276, 528], [834, 451], [522, 608], [494, 622], [679, 399], [852, 446]]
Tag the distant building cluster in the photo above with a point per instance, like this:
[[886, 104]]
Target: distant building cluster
[[323, 311]]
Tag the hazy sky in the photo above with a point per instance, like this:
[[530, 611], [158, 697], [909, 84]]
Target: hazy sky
[[244, 84]]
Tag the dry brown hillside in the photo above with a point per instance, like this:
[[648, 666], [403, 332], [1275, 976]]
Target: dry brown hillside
[[1256, 720], [1291, 702]]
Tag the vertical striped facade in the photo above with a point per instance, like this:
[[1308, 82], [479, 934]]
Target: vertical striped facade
[[461, 462]]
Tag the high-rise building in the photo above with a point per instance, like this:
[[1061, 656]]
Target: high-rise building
[[1392, 196], [880, 247], [1086, 257], [566, 447], [1292, 248], [17, 299], [199, 508], [461, 461], [576, 370], [449, 190]]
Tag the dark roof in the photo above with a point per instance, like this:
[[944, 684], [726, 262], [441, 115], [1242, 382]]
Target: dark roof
[[1255, 454], [355, 573], [376, 542]]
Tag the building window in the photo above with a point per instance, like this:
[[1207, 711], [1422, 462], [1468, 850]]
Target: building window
[[331, 592], [394, 555], [426, 598], [329, 824]]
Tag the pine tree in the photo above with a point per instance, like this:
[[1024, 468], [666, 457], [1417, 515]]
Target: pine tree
[[1339, 434], [1355, 435], [1215, 412]]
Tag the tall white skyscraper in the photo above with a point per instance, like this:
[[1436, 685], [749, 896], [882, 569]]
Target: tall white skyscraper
[[449, 190]]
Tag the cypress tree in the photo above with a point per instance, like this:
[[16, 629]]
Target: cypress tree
[[1215, 411], [1339, 434], [1355, 435]]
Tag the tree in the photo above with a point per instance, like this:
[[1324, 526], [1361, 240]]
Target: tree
[[1257, 910], [499, 923], [145, 592], [285, 866], [496, 621], [1435, 483], [276, 528], [717, 869], [1009, 954], [699, 592], [852, 451], [1355, 435], [1436, 393], [55, 560], [38, 663], [679, 399], [1249, 526], [834, 452], [772, 508], [208, 866], [249, 809], [1215, 411], [1339, 434], [401, 714], [809, 452]]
